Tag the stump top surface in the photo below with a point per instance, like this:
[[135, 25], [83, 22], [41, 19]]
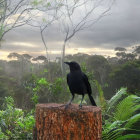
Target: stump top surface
[[73, 107]]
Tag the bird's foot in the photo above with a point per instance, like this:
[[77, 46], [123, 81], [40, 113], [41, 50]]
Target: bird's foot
[[80, 106], [67, 105]]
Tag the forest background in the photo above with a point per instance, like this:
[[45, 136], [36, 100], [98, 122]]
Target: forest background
[[26, 80]]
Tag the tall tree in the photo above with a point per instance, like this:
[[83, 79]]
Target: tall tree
[[128, 75], [124, 56], [137, 51], [80, 15], [100, 66], [41, 57], [47, 14]]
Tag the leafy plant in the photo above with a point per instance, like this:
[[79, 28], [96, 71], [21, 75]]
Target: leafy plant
[[126, 108], [101, 95], [44, 91], [123, 123], [14, 123]]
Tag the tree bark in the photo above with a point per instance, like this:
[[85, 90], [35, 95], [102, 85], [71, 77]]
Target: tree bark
[[54, 122]]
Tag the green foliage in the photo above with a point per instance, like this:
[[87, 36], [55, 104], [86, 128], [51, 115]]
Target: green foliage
[[126, 108], [1, 30], [128, 75], [133, 122], [123, 123], [14, 123], [112, 131], [36, 2], [129, 137], [122, 93], [100, 66], [101, 96], [2, 135], [44, 91], [7, 85], [35, 98], [43, 84]]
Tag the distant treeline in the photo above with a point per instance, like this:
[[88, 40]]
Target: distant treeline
[[22, 77]]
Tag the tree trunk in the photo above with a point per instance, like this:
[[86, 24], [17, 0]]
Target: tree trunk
[[54, 122], [62, 59]]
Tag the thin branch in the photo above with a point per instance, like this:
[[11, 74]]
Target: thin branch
[[2, 2], [81, 25], [17, 7], [16, 22]]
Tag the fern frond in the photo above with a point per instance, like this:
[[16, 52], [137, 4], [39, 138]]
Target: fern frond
[[126, 108], [112, 134], [134, 122], [122, 93], [101, 95], [126, 117], [129, 137], [112, 131]]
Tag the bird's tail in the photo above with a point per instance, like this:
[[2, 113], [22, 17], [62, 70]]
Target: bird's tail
[[92, 100]]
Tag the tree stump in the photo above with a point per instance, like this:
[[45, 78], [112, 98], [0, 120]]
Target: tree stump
[[54, 122]]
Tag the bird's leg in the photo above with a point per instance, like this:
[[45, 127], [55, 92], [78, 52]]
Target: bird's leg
[[67, 105], [80, 106]]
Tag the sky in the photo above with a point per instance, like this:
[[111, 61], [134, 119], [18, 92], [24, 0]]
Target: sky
[[120, 28]]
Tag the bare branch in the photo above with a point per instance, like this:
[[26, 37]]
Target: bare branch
[[2, 2], [12, 10], [15, 9], [71, 28]]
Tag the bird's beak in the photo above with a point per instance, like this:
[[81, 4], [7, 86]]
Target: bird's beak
[[67, 63]]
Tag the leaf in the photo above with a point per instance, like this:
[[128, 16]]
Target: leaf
[[42, 81], [21, 124], [126, 108], [129, 137], [112, 134], [36, 2], [2, 123], [134, 122], [118, 96], [101, 95], [48, 4]]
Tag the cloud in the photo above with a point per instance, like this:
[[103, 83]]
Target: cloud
[[120, 28]]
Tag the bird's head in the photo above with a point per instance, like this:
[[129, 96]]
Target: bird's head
[[74, 66]]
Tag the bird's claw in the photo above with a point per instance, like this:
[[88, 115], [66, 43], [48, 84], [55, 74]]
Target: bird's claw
[[80, 106], [66, 106]]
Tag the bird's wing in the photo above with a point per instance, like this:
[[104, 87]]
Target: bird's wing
[[68, 79], [85, 78]]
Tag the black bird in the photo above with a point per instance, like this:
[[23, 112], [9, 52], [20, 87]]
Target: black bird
[[78, 83]]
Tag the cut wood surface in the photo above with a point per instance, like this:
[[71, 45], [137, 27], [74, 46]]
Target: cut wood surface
[[54, 122]]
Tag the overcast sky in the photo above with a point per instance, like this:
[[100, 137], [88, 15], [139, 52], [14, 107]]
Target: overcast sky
[[121, 28]]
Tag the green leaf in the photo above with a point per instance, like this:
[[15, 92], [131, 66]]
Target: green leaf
[[42, 81], [129, 137], [134, 122], [35, 98], [20, 124], [36, 2], [118, 96], [126, 108], [101, 95]]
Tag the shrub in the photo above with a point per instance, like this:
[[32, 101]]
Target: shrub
[[14, 123]]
